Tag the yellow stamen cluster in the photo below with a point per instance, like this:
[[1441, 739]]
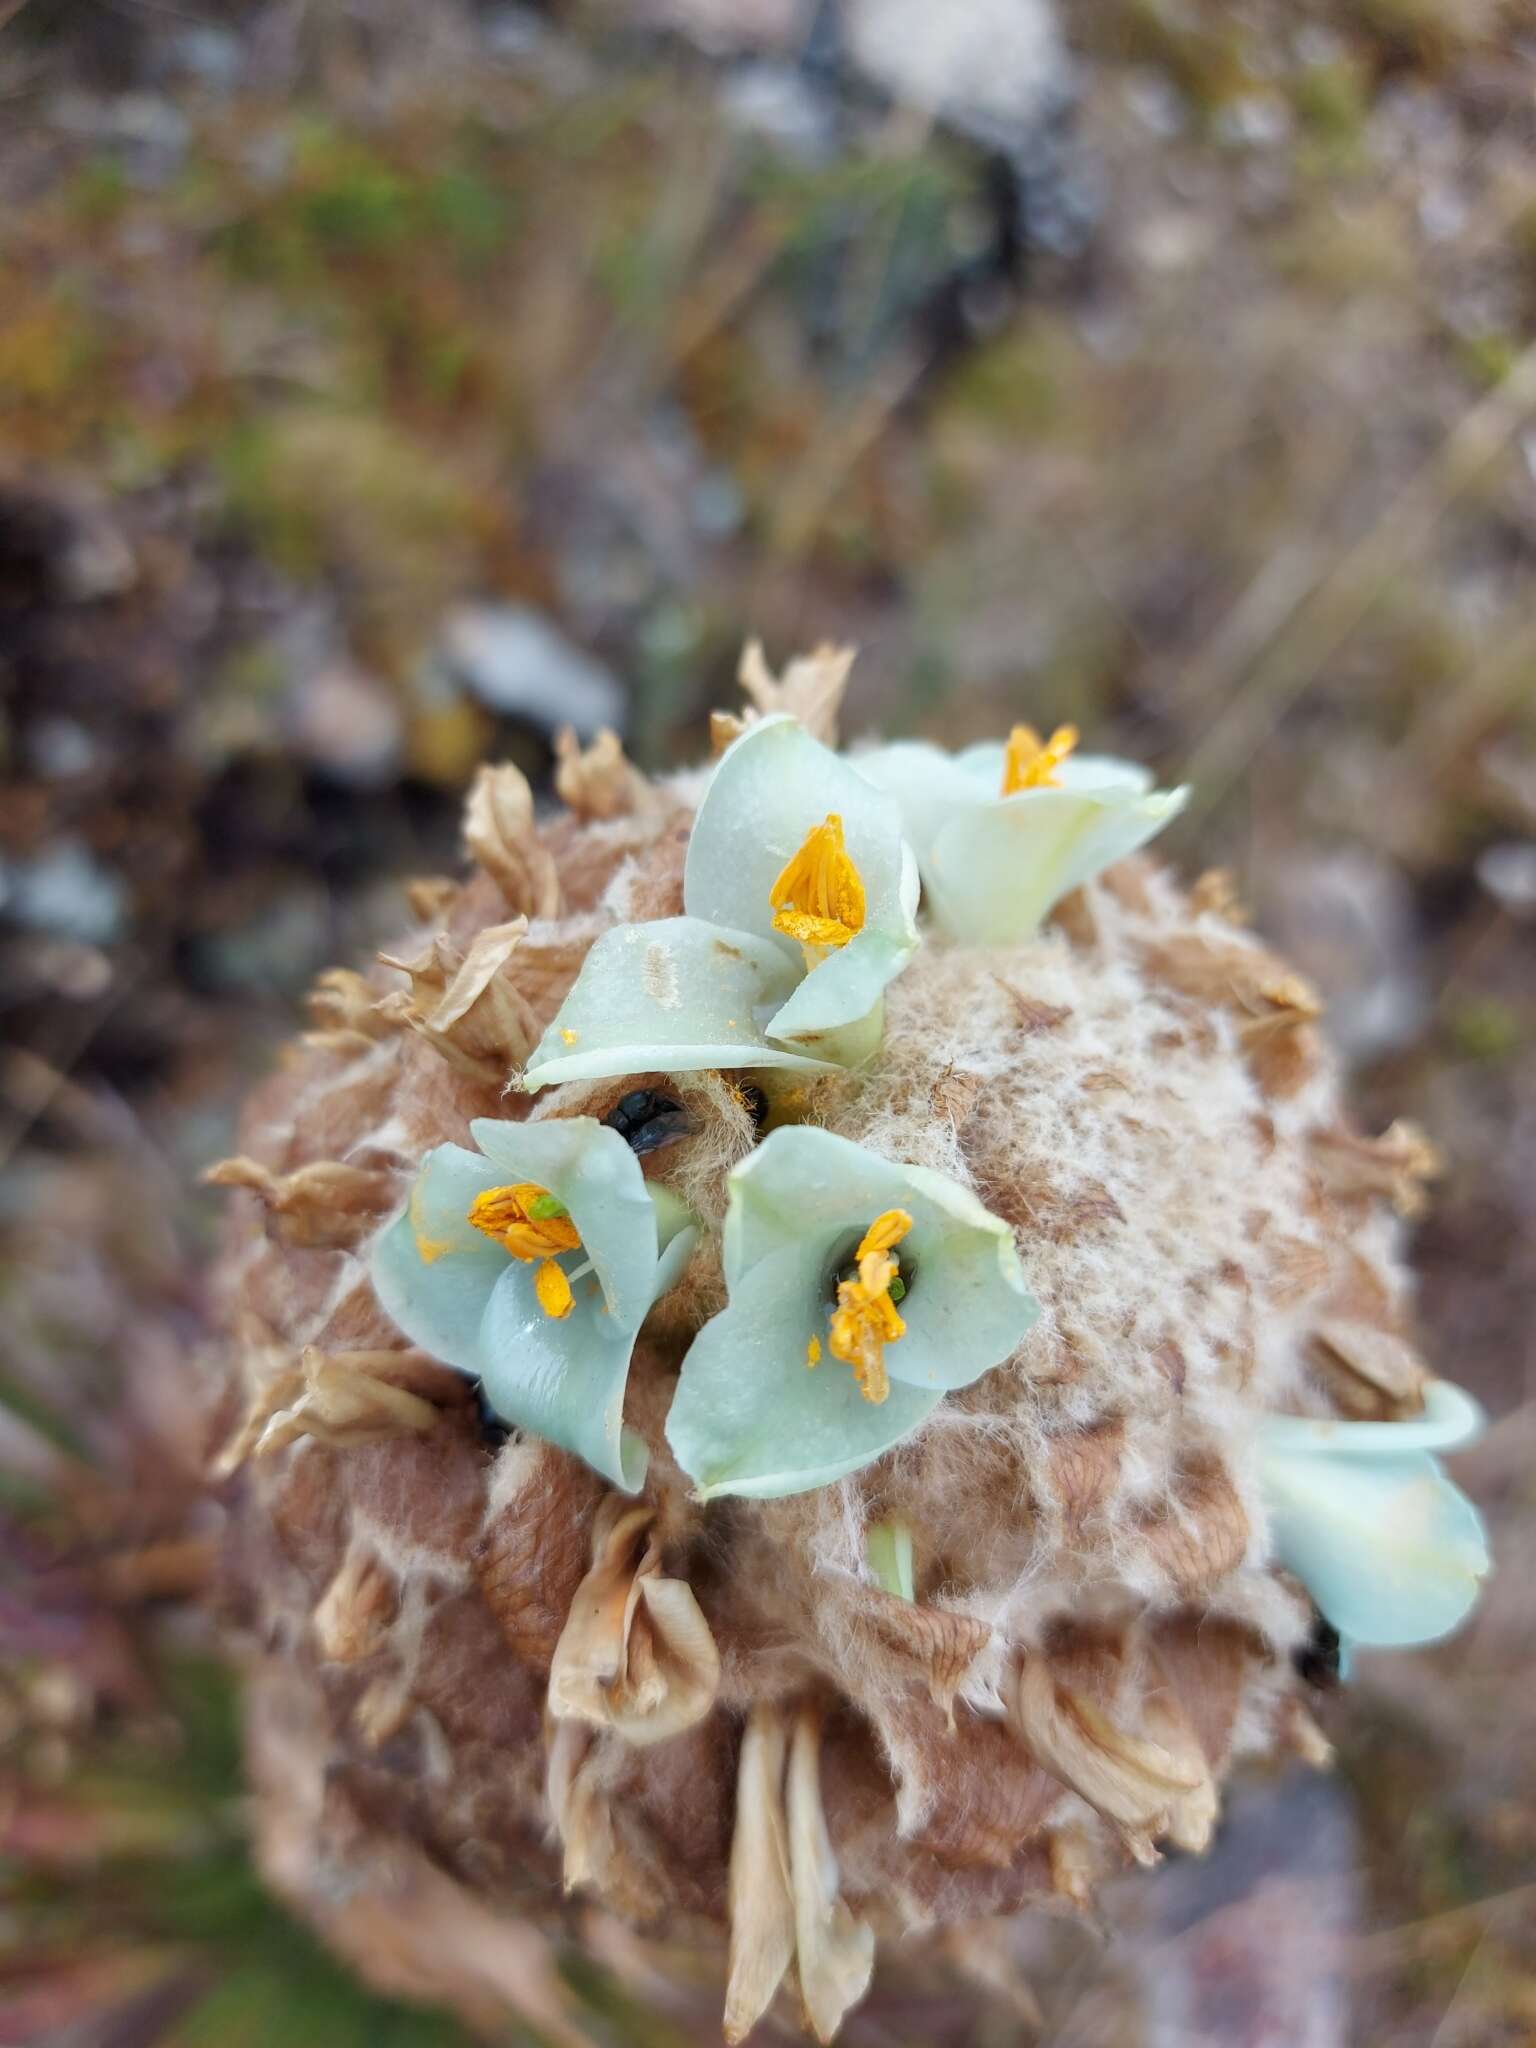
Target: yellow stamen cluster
[[1030, 763], [818, 898], [530, 1223], [865, 1319]]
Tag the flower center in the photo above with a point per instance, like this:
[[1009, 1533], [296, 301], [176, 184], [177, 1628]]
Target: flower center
[[1029, 763], [531, 1223], [818, 898], [865, 1319]]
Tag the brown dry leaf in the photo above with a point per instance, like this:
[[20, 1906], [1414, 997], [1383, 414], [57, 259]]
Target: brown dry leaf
[[1373, 1374], [429, 898], [1133, 1783], [1204, 1663], [834, 1949], [762, 1910], [636, 1654], [1083, 1469], [533, 1549], [499, 833], [941, 1643], [340, 1006], [810, 689], [325, 1206], [349, 1398], [481, 1022], [976, 1799], [1394, 1166], [357, 1607], [1200, 1534], [1214, 894], [599, 781]]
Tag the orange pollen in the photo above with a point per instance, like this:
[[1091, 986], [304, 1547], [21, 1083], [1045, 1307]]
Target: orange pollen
[[1029, 763], [865, 1319], [525, 1220]]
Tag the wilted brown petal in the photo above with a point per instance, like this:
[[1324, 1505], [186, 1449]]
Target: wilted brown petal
[[598, 781], [579, 1786], [357, 1607], [325, 1206], [481, 1022], [341, 1001], [1394, 1166], [1372, 1373], [810, 689], [533, 1549], [636, 1654], [1131, 1782], [1192, 1815], [499, 833], [834, 1949], [429, 898], [1076, 1865], [347, 1399], [762, 1912]]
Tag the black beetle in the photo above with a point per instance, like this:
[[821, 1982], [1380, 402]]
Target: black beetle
[[646, 1120]]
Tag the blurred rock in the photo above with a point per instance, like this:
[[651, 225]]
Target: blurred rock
[[65, 892], [991, 68], [725, 26], [1346, 919], [345, 723], [782, 105], [1508, 872], [516, 663]]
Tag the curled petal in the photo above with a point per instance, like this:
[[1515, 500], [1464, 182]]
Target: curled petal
[[325, 1206], [810, 689], [349, 1398], [834, 1949], [480, 1021], [1133, 1783], [636, 1654], [762, 1907]]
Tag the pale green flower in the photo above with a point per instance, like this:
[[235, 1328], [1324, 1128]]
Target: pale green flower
[[861, 1292], [541, 1296], [1003, 830], [1388, 1547], [800, 897]]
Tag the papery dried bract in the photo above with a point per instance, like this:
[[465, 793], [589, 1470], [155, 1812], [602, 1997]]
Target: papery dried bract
[[324, 1206], [348, 1398], [636, 1654], [499, 833], [599, 781], [479, 1020], [1133, 1783]]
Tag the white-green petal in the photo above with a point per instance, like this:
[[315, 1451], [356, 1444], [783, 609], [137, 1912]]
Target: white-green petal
[[431, 1269], [1388, 1547], [994, 871], [812, 1194], [993, 866], [751, 1418], [562, 1380], [771, 788], [675, 995]]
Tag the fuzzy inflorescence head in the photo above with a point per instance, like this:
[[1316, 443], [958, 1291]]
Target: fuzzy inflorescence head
[[1016, 1644]]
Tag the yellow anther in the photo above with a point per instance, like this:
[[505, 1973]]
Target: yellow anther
[[1029, 763], [525, 1220], [818, 898], [865, 1319], [887, 1230], [553, 1290]]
